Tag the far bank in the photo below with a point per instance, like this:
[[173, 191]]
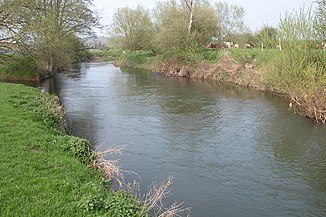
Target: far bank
[[298, 75]]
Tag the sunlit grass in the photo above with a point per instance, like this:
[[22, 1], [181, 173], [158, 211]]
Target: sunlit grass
[[43, 171]]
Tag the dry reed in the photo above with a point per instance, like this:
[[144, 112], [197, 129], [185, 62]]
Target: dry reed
[[153, 200]]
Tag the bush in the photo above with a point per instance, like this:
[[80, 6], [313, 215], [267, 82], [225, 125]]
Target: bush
[[19, 67], [80, 148], [211, 56], [115, 204], [183, 56], [138, 57]]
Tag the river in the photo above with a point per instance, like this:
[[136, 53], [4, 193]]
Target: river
[[231, 151]]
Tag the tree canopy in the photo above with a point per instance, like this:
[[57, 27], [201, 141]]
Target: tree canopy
[[133, 26], [46, 30]]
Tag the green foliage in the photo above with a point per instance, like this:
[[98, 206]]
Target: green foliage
[[138, 57], [211, 56], [230, 19], [80, 148], [268, 36], [124, 204], [299, 70], [40, 175], [44, 107], [320, 20], [18, 67], [172, 20], [115, 204], [244, 56], [242, 38], [183, 56], [254, 56], [48, 33], [135, 27]]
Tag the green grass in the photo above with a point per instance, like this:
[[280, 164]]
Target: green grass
[[45, 172], [211, 55], [254, 56], [138, 57]]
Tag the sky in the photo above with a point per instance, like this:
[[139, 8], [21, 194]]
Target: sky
[[258, 13]]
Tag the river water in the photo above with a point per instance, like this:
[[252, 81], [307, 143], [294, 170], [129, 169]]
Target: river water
[[231, 151]]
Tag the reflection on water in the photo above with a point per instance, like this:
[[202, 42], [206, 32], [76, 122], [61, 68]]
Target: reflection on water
[[232, 151]]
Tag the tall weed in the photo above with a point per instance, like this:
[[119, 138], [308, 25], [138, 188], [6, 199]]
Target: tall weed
[[299, 71]]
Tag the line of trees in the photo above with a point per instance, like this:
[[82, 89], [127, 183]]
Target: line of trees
[[46, 31], [176, 24], [194, 23]]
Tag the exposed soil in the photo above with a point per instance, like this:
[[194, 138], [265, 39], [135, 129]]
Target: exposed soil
[[226, 70], [13, 78], [230, 71]]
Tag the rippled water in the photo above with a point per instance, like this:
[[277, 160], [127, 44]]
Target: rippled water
[[232, 151]]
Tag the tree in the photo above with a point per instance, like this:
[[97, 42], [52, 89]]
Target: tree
[[170, 26], [175, 28], [10, 23], [230, 19], [133, 26], [48, 29], [190, 6], [268, 36], [243, 38]]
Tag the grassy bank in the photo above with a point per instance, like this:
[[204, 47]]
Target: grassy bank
[[296, 72], [45, 172]]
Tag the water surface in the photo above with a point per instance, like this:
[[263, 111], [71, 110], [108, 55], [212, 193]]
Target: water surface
[[232, 151]]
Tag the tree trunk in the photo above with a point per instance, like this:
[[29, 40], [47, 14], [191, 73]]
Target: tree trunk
[[190, 6]]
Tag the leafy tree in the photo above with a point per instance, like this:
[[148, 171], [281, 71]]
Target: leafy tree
[[268, 36], [242, 38], [10, 24], [133, 26], [172, 24], [230, 19], [48, 29]]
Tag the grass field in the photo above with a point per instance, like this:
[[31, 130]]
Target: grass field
[[45, 172]]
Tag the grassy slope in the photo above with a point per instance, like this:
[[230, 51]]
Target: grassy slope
[[39, 177]]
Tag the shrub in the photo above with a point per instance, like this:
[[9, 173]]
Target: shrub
[[19, 67], [80, 148]]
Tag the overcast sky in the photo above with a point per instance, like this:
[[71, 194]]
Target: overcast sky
[[258, 12]]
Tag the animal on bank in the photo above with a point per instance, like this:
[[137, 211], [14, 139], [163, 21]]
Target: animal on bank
[[212, 45], [247, 46], [227, 44], [321, 46]]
